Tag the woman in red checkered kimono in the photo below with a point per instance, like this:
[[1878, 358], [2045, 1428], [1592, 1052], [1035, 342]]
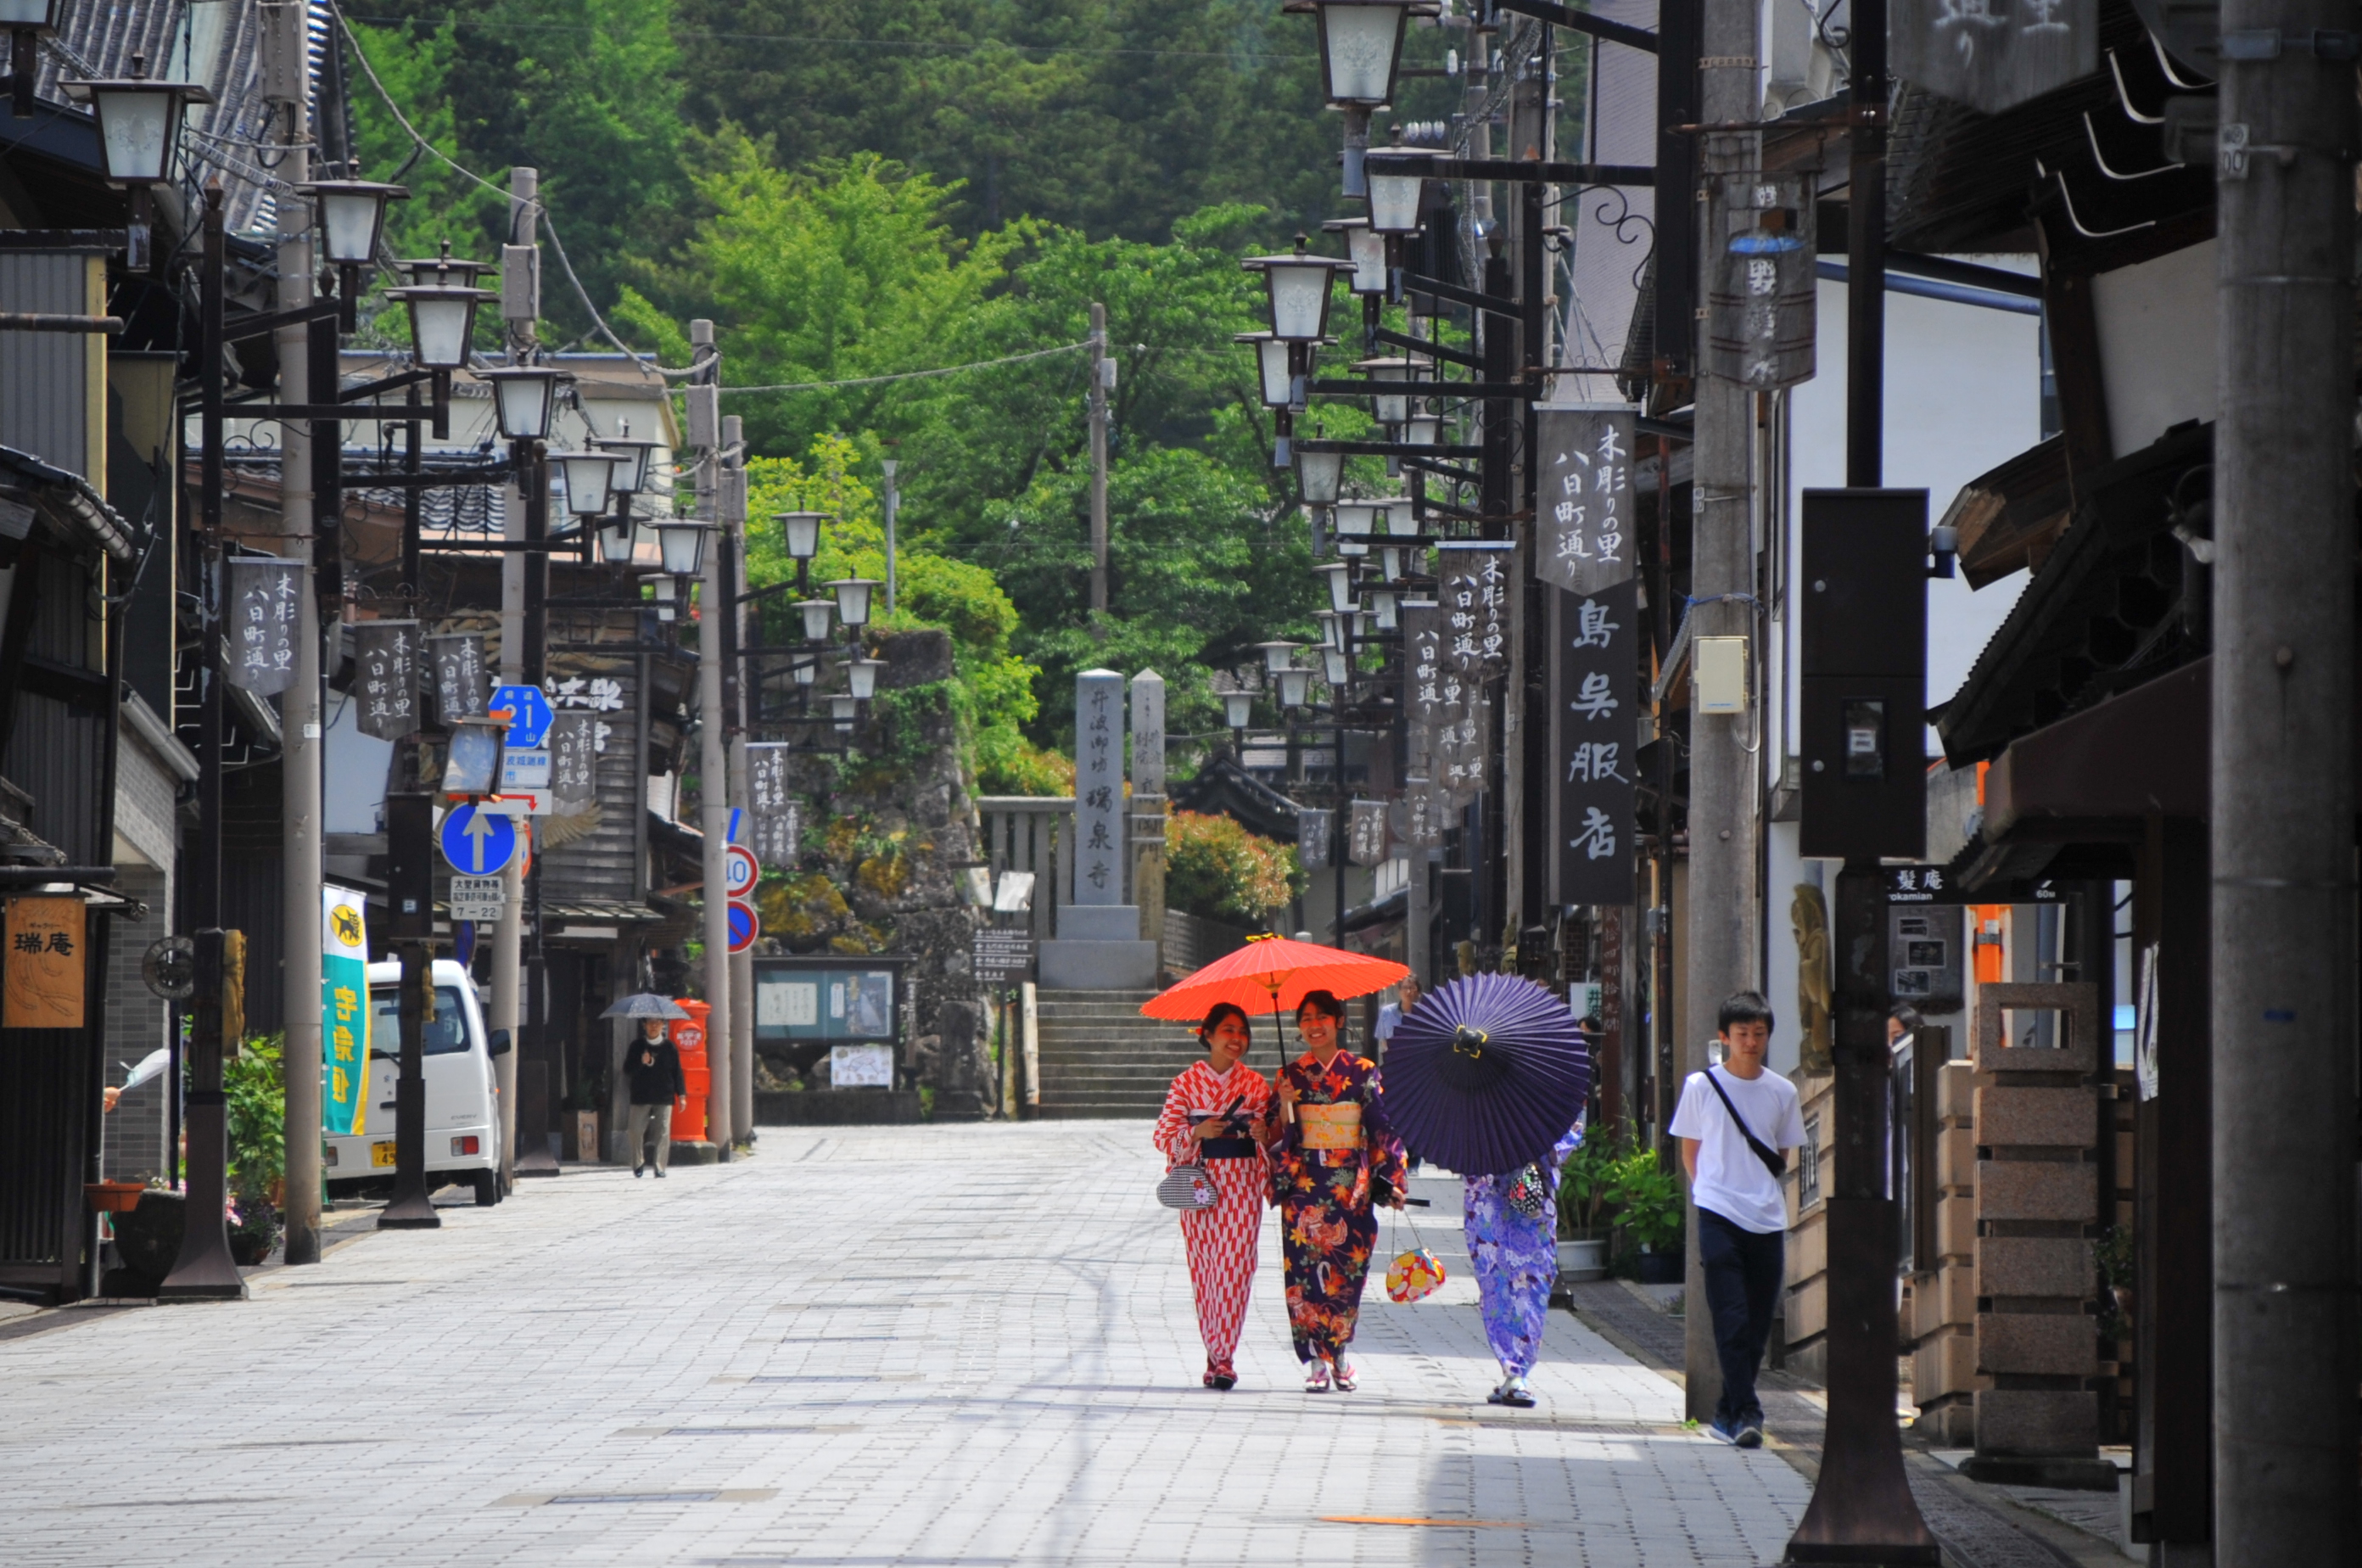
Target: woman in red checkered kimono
[[1214, 1111]]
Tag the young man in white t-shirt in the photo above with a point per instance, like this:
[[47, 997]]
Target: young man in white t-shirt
[[1742, 1214]]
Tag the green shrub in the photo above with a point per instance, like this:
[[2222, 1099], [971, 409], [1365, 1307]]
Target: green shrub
[[1216, 869], [1647, 1198], [257, 1118]]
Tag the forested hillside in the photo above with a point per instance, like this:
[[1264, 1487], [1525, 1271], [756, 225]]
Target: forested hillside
[[854, 189]]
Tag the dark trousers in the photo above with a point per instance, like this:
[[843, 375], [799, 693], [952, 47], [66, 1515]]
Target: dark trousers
[[1743, 1284]]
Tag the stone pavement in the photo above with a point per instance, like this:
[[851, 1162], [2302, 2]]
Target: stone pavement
[[918, 1345]]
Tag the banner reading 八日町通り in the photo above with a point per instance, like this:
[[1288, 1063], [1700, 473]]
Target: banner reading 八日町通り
[[344, 1009]]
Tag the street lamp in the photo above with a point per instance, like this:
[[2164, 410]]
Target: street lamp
[[524, 398], [351, 214], [1273, 362], [1421, 428], [801, 531], [1277, 657], [806, 670], [587, 475], [852, 600], [1393, 407], [681, 546], [1382, 604], [617, 537], [1361, 46], [1398, 180], [1334, 666], [1368, 249], [816, 613], [861, 677], [662, 588], [1237, 708], [843, 708], [27, 21], [1293, 687], [442, 322], [1341, 584], [1331, 637], [139, 130], [1320, 475], [1296, 289]]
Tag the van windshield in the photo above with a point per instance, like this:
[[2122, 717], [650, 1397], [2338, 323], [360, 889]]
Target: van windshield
[[447, 1034]]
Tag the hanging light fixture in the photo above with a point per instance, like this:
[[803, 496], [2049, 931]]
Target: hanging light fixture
[[1366, 249], [801, 530], [1278, 376], [1238, 708], [1341, 584], [1361, 47], [861, 677], [524, 397], [1319, 475], [1296, 289], [1382, 608], [1389, 393], [662, 590], [351, 218], [1398, 179], [442, 323], [843, 709], [1330, 636], [1334, 667], [806, 670], [586, 475], [817, 613], [1421, 428], [632, 460], [139, 134], [682, 545], [1354, 519], [616, 538], [1293, 685], [852, 600], [1390, 562], [1277, 657]]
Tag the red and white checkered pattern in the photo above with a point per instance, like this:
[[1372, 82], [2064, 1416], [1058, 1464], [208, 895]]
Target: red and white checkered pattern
[[1221, 1239]]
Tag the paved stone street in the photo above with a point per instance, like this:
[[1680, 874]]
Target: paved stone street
[[871, 1346]]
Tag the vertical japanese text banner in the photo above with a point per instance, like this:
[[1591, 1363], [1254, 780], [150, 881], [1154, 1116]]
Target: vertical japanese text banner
[[1586, 495], [46, 980], [385, 677], [1594, 716], [263, 618], [344, 1010]]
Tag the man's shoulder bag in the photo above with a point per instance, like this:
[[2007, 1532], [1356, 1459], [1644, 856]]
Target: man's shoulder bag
[[1774, 1161]]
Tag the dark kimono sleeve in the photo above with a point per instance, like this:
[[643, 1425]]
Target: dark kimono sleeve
[[1389, 1162]]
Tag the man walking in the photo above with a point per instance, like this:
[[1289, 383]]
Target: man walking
[[654, 1068], [1736, 1122]]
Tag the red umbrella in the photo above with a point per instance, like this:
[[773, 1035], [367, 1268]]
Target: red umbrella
[[1271, 974]]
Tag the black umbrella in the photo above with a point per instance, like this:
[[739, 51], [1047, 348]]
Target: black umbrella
[[1486, 1074]]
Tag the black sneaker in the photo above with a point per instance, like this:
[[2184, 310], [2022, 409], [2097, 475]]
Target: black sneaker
[[1722, 1433], [639, 1171], [660, 1173], [1750, 1435]]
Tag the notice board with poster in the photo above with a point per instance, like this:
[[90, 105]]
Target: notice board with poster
[[829, 999]]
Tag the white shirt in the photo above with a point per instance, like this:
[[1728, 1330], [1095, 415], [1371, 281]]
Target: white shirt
[[1730, 1180], [1389, 1019]]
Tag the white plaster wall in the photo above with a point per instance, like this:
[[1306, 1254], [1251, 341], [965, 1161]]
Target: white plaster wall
[[356, 772], [2156, 344]]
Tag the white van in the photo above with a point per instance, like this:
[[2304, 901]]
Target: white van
[[463, 1120]]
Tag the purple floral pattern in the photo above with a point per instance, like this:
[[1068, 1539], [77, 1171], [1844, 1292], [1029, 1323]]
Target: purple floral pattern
[[1516, 1259]]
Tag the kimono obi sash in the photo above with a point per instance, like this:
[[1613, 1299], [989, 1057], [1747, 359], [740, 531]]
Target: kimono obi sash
[[1330, 1126]]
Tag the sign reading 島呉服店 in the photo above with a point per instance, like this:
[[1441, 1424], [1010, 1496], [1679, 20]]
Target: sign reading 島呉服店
[[1594, 728]]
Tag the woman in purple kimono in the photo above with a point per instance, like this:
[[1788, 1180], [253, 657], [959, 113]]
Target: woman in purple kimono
[[1512, 1230]]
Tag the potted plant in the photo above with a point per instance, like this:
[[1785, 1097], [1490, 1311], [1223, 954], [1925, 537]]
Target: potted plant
[[1648, 1211], [1584, 1189]]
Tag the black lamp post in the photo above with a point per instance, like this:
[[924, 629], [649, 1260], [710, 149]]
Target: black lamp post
[[27, 21], [1361, 49], [352, 220]]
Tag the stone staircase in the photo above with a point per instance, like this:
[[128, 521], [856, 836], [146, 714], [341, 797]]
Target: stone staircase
[[1100, 1058]]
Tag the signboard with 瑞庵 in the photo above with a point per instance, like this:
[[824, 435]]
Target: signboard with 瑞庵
[[1594, 731], [45, 982], [1584, 541]]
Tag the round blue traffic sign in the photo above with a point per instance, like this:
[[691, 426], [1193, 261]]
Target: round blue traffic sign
[[743, 927], [477, 843]]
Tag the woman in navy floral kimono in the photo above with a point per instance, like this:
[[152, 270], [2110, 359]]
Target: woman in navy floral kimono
[[1335, 1154]]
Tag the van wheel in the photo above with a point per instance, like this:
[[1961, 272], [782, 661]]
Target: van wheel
[[488, 1189]]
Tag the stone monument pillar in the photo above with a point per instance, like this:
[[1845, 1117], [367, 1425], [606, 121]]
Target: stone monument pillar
[[1098, 946], [1148, 805]]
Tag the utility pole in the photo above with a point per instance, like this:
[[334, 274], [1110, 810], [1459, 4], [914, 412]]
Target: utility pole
[[301, 707], [713, 728], [2283, 792], [1720, 917], [1099, 403], [520, 308], [893, 510], [738, 678]]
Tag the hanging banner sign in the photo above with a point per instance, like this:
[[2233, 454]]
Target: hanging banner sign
[[1418, 819], [1594, 728], [573, 762], [1760, 307], [1993, 55], [767, 779], [264, 616], [778, 841], [1366, 832], [45, 977], [1584, 541], [1311, 838], [344, 1010], [385, 682], [461, 683], [1473, 588]]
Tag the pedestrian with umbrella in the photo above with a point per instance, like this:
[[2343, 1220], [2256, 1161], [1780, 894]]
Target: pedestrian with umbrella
[[1488, 1076], [1213, 1118], [1334, 1154], [652, 1068]]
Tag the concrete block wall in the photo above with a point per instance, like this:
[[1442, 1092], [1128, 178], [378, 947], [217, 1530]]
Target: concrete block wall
[[1945, 1378]]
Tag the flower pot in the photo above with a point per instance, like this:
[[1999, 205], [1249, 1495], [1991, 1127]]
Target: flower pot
[[149, 1236], [1657, 1268], [112, 1196], [1582, 1258]]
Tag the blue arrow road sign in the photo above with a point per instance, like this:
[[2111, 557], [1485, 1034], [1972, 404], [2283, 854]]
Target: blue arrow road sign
[[478, 844], [528, 712]]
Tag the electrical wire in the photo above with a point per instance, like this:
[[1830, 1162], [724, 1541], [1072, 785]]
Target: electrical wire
[[914, 375]]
